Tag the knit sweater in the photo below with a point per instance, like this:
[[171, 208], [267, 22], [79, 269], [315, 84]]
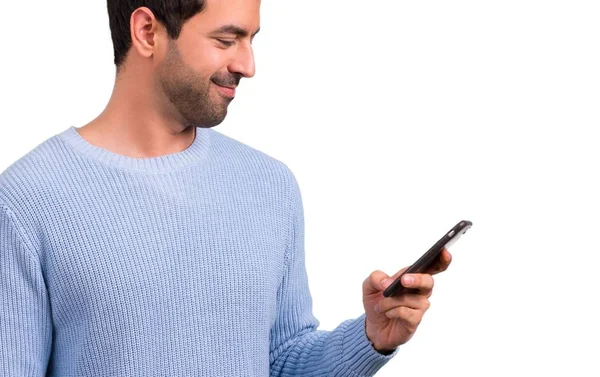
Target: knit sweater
[[186, 264]]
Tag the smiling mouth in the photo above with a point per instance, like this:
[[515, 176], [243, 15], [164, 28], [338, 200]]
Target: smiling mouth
[[226, 91]]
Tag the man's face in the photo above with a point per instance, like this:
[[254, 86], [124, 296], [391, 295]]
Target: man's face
[[203, 66]]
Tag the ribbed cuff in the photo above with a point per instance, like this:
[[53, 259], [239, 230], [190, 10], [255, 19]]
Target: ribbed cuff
[[359, 356]]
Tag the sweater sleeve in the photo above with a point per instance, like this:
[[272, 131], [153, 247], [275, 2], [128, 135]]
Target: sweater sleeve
[[25, 320], [297, 347]]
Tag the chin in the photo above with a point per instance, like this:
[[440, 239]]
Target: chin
[[208, 123]]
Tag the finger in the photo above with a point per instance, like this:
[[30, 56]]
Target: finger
[[379, 281], [411, 301], [445, 256], [407, 315], [375, 283], [397, 274], [441, 264], [423, 282]]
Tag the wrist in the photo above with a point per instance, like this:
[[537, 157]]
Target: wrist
[[379, 348], [383, 351]]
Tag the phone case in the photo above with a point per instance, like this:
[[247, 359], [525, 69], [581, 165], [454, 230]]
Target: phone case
[[429, 257]]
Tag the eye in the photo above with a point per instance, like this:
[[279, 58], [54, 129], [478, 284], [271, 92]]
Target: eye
[[225, 42]]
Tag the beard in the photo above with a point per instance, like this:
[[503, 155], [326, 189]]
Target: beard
[[189, 92]]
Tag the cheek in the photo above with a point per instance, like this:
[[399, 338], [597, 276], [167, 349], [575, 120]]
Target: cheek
[[206, 58]]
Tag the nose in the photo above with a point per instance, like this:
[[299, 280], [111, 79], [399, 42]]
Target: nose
[[243, 61]]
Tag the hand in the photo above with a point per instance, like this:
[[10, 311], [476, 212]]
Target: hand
[[398, 317]]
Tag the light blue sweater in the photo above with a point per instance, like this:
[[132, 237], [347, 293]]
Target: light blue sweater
[[187, 264]]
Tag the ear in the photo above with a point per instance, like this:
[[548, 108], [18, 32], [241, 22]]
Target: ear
[[145, 31]]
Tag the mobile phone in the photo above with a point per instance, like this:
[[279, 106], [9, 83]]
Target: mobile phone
[[429, 257]]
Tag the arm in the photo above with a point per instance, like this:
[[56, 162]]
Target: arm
[[297, 347], [25, 320]]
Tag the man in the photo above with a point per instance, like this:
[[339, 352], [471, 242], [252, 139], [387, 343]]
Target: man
[[147, 244]]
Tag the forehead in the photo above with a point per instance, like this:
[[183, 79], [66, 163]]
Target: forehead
[[216, 13]]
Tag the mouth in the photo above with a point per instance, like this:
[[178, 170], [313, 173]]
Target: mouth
[[227, 91]]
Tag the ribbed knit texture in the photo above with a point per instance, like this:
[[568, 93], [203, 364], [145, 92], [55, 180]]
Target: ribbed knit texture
[[187, 264]]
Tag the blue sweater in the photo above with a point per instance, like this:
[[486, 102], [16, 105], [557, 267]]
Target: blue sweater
[[187, 264]]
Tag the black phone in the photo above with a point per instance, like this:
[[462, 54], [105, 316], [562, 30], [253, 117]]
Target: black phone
[[429, 257]]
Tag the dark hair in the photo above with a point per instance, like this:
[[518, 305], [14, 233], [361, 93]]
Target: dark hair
[[172, 14]]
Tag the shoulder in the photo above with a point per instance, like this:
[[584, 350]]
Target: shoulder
[[240, 156], [33, 174]]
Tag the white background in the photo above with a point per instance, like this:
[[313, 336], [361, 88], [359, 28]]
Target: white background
[[398, 119]]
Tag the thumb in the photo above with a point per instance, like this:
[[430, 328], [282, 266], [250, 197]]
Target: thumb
[[376, 282], [384, 283]]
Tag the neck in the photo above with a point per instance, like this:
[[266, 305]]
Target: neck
[[136, 122]]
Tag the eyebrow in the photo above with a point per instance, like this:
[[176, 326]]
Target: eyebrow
[[234, 29]]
